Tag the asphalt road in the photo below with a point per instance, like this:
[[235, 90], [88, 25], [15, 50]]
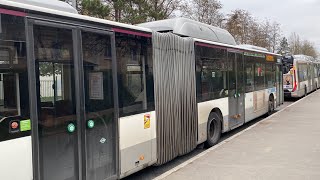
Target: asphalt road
[[154, 171]]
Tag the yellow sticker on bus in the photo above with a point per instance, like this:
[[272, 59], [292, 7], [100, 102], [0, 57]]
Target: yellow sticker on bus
[[147, 121]]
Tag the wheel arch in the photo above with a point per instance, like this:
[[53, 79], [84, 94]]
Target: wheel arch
[[219, 112], [271, 95]]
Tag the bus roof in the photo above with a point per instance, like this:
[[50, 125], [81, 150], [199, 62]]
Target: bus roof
[[248, 46], [36, 5], [50, 4], [303, 57], [236, 47]]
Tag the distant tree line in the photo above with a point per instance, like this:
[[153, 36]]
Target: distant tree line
[[240, 23]]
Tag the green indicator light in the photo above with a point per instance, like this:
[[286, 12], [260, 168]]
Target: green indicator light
[[90, 124], [71, 128]]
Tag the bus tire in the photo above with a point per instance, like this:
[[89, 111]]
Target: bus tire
[[213, 130], [270, 105]]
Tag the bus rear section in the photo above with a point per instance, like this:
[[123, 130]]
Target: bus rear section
[[299, 75], [290, 84]]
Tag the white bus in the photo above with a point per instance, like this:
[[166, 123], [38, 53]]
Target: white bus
[[91, 99], [300, 75]]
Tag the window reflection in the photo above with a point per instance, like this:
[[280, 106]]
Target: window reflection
[[249, 68], [135, 74], [53, 50], [14, 94], [212, 73], [54, 59], [98, 82]]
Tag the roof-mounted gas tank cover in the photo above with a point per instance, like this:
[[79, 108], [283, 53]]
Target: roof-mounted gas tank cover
[[50, 4], [191, 28]]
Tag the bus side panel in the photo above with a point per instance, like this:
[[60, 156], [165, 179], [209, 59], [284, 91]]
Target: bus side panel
[[256, 103], [204, 109], [316, 83], [137, 142], [16, 159], [249, 107], [300, 89]]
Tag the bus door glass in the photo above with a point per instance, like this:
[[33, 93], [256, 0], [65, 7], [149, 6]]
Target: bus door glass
[[57, 115], [101, 127], [74, 89], [236, 89]]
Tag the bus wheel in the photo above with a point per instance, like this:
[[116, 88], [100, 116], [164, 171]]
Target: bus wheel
[[213, 130], [270, 105]]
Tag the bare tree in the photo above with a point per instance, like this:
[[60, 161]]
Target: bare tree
[[309, 49], [272, 33], [247, 30], [163, 9], [298, 46], [295, 43], [206, 11], [240, 24]]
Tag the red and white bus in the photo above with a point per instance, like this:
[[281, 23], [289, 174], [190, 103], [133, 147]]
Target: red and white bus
[[301, 75]]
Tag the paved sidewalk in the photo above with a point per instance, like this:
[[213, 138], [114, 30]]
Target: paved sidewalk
[[284, 146]]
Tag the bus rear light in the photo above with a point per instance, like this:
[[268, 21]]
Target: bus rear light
[[295, 84]]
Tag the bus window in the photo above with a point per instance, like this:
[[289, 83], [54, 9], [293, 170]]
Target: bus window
[[135, 76], [14, 92], [212, 72], [270, 75], [259, 76], [302, 71], [249, 69]]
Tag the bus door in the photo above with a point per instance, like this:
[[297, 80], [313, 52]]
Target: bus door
[[75, 125], [279, 84], [311, 72], [236, 89]]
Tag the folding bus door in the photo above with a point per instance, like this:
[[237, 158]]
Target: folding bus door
[[236, 89], [75, 127]]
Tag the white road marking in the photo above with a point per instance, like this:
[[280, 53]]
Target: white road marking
[[167, 173]]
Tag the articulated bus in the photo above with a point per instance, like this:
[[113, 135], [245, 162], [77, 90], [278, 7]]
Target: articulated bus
[[91, 99], [301, 75]]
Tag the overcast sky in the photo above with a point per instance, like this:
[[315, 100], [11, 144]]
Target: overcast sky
[[300, 16]]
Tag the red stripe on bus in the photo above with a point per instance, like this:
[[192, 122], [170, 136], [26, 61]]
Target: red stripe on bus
[[131, 32], [210, 46], [11, 12]]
